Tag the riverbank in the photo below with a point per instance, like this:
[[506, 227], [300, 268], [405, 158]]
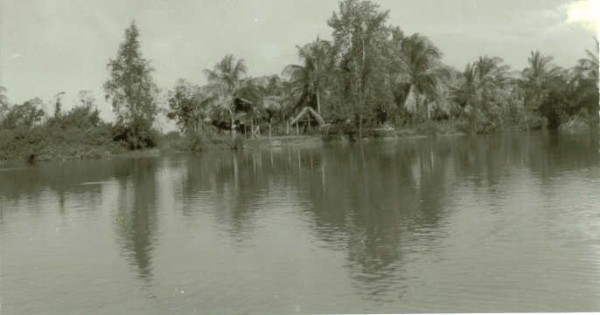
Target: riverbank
[[38, 146], [53, 144], [45, 144]]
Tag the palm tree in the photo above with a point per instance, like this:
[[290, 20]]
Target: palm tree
[[482, 87], [266, 95], [536, 77], [3, 98], [466, 93], [588, 66], [3, 102], [308, 79], [422, 69], [491, 71], [588, 88], [224, 82]]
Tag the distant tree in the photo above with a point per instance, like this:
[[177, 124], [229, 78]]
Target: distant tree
[[586, 76], [84, 114], [25, 115], [359, 43], [422, 70], [132, 92], [3, 97], [272, 98], [224, 83], [58, 104], [188, 106], [535, 79], [483, 93], [309, 78], [85, 98], [557, 103], [3, 103], [56, 120], [588, 66], [557, 94]]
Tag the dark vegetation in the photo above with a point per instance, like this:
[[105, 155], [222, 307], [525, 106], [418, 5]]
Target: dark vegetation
[[370, 80]]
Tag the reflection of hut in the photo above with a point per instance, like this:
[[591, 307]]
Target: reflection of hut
[[307, 117]]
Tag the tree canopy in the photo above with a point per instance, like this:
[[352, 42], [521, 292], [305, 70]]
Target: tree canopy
[[132, 91]]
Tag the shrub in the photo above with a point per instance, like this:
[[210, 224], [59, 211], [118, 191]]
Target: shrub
[[134, 137]]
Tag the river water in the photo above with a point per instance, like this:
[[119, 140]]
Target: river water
[[505, 223]]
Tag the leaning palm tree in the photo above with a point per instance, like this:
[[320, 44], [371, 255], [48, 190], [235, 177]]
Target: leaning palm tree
[[308, 79], [588, 66], [422, 70], [586, 76], [224, 82]]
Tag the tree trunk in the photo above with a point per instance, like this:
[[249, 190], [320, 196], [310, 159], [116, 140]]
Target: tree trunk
[[417, 107], [360, 126], [269, 129], [232, 124], [318, 102]]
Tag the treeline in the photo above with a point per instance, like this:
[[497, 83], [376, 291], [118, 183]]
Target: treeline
[[372, 74], [369, 75], [27, 131]]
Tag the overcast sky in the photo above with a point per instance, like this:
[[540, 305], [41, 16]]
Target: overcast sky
[[64, 45]]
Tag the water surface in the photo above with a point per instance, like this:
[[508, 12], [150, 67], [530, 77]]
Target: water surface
[[506, 223]]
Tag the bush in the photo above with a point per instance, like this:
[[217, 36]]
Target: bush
[[134, 137], [78, 117], [45, 143], [25, 115], [577, 122], [207, 138]]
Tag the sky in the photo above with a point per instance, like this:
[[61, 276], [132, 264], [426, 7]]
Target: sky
[[47, 47]]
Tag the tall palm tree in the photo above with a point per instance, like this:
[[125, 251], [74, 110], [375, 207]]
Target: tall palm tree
[[536, 76], [224, 82], [422, 69], [308, 79]]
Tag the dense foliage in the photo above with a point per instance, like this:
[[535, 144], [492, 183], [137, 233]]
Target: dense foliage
[[132, 93], [371, 75]]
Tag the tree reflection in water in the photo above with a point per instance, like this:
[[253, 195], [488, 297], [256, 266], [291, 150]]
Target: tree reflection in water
[[136, 219], [378, 203]]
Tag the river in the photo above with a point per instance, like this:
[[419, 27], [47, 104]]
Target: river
[[503, 223]]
